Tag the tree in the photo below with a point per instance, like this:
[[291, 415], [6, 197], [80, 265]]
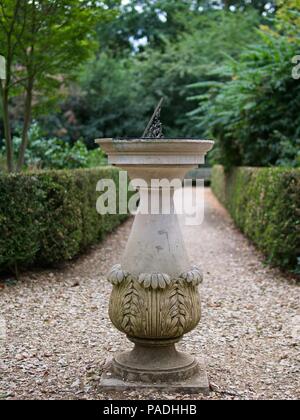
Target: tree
[[43, 42], [254, 114], [118, 93], [156, 21], [11, 29], [150, 21], [261, 5]]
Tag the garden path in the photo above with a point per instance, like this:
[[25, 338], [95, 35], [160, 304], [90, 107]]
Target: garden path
[[58, 333]]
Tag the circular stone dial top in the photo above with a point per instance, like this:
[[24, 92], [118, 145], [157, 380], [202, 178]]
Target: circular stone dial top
[[155, 151]]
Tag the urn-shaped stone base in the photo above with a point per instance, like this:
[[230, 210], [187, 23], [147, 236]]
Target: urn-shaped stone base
[[159, 364], [153, 306], [154, 311]]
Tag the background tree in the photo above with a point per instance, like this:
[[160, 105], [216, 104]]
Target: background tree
[[43, 42], [152, 48], [155, 21], [12, 15], [254, 114], [119, 88], [261, 5]]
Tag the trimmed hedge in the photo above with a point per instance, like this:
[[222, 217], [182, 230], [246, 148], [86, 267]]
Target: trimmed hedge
[[265, 205], [50, 217]]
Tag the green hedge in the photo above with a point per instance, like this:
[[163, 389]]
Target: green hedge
[[51, 217], [265, 205]]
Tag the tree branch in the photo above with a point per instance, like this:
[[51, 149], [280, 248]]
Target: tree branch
[[4, 16], [14, 19]]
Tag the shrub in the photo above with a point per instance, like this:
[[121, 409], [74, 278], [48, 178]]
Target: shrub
[[250, 106], [265, 205], [54, 153], [50, 217]]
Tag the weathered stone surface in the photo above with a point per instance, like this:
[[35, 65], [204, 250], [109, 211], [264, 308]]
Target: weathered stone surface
[[197, 383], [155, 298], [151, 312]]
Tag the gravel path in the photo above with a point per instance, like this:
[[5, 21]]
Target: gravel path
[[58, 334]]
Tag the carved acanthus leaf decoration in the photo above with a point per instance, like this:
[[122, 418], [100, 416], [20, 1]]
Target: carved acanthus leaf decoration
[[194, 276], [162, 313], [117, 275], [154, 280]]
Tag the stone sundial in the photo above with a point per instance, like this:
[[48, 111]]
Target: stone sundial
[[155, 298]]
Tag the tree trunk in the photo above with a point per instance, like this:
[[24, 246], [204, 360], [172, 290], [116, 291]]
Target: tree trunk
[[26, 125], [7, 130]]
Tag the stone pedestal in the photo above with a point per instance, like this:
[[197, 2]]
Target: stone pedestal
[[155, 298], [194, 384]]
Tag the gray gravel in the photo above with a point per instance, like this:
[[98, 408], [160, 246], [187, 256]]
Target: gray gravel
[[58, 334]]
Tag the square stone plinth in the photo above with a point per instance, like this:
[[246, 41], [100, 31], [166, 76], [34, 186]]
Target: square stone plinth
[[198, 384]]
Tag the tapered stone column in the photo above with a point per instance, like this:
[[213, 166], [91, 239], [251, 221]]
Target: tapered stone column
[[155, 298]]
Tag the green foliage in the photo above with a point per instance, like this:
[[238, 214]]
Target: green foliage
[[43, 42], [258, 4], [151, 49], [20, 219], [265, 205], [61, 33], [50, 217], [55, 153], [162, 21], [254, 112], [118, 93]]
